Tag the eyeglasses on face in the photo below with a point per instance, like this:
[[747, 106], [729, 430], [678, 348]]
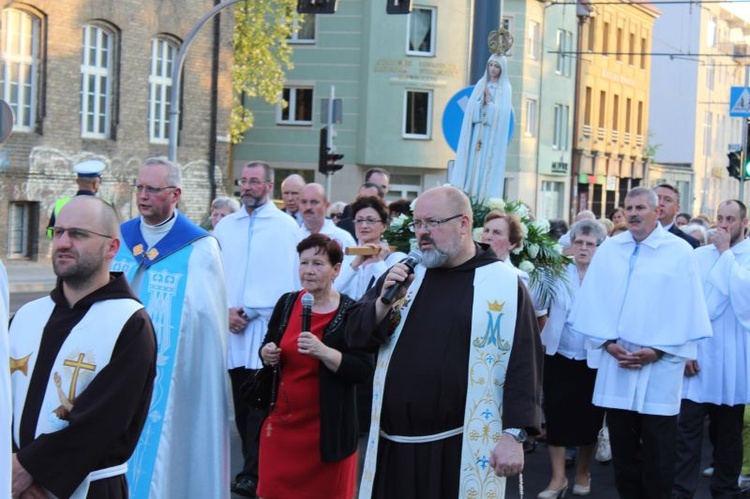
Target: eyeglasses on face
[[429, 223], [76, 234], [242, 182], [152, 190], [366, 221]]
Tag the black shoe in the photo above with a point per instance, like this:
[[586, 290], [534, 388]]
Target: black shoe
[[244, 487]]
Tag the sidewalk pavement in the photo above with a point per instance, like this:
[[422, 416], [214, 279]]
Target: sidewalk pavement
[[26, 276]]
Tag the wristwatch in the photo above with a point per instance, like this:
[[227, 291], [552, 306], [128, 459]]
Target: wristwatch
[[518, 433]]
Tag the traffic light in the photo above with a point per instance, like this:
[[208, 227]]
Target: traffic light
[[398, 7], [332, 165], [734, 165], [327, 160], [316, 6]]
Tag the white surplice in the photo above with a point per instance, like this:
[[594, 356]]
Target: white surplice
[[724, 376], [260, 264], [5, 399], [331, 230], [355, 282], [659, 304]]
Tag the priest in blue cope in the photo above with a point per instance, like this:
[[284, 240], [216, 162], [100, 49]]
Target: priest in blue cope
[[175, 268]]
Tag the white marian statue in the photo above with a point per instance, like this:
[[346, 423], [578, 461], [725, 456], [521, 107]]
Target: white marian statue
[[479, 169]]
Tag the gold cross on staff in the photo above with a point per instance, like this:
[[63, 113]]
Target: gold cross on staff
[[77, 366]]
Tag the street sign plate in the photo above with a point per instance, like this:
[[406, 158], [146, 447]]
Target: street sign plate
[[739, 102]]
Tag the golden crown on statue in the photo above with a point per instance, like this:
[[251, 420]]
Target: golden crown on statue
[[500, 41]]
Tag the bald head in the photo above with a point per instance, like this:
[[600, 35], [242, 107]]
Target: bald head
[[291, 189], [443, 226], [90, 210]]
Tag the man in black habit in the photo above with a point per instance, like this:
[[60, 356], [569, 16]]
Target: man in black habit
[[82, 361], [458, 379]]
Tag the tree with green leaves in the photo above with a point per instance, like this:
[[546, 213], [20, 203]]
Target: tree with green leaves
[[262, 56]]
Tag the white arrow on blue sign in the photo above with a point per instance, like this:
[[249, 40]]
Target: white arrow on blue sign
[[739, 102]]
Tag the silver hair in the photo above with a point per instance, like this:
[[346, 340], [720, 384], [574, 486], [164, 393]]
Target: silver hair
[[225, 202], [588, 228], [174, 174], [653, 199], [266, 169]]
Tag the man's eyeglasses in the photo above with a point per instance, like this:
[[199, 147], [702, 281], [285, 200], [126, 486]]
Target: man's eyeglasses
[[366, 221], [152, 190], [76, 234], [242, 182], [429, 223]]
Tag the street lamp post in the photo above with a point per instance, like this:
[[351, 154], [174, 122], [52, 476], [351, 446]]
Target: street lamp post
[[174, 107]]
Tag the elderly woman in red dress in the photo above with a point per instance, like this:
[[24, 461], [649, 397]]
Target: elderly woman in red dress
[[308, 442]]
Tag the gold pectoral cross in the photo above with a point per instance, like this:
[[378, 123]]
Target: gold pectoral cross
[[77, 365]]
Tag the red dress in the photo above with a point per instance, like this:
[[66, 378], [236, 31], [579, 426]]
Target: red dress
[[290, 465]]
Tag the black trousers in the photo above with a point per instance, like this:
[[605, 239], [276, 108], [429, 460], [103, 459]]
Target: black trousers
[[249, 422], [643, 453], [727, 452]]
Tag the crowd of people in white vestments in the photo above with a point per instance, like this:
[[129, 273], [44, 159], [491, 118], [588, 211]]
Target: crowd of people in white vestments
[[428, 375]]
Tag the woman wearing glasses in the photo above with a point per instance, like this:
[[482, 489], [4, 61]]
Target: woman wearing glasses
[[359, 272], [308, 442], [572, 420]]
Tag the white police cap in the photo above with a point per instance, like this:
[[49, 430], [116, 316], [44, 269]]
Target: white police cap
[[90, 168]]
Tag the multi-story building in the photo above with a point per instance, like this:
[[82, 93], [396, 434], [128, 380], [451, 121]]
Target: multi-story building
[[396, 74], [91, 80], [610, 139], [704, 54]]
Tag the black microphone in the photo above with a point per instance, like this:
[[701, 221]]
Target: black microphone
[[307, 303], [412, 260]]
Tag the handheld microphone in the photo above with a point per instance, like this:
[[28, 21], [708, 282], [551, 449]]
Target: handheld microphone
[[412, 260], [307, 303]]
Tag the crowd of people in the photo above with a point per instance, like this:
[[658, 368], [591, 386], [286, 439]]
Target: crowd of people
[[420, 376]]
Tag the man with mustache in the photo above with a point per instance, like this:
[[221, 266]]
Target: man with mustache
[[174, 267], [458, 378], [717, 383], [93, 338], [258, 243], [639, 348], [313, 204]]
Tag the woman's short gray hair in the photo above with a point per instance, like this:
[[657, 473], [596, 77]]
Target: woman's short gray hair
[[691, 229], [224, 202], [588, 228]]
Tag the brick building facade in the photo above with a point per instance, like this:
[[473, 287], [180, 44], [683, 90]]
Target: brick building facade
[[91, 80]]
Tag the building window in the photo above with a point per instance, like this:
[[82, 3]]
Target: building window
[[564, 65], [602, 108], [19, 218], [592, 33], [299, 109], [631, 49], [20, 52], [552, 200], [303, 29], [619, 44], [711, 32], [639, 119], [616, 113], [710, 75], [163, 53], [644, 50], [532, 41], [404, 187], [420, 37], [605, 39], [531, 112], [628, 113], [508, 24], [708, 123], [97, 68], [417, 114], [587, 113], [560, 134]]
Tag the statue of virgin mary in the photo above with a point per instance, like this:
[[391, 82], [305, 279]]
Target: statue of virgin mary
[[479, 169]]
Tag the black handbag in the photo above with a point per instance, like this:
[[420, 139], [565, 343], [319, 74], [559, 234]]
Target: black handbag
[[260, 389]]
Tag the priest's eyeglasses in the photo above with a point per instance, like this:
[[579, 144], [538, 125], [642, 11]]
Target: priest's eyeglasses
[[429, 223], [75, 233], [151, 191], [242, 182]]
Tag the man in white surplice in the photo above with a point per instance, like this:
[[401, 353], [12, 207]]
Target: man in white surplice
[[258, 243], [717, 384], [640, 346]]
